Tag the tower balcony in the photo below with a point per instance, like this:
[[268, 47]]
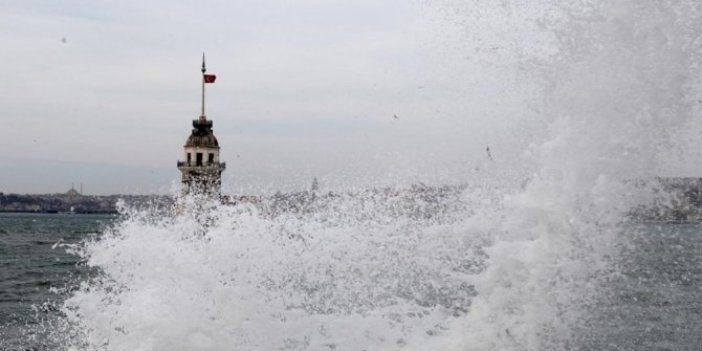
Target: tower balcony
[[184, 165]]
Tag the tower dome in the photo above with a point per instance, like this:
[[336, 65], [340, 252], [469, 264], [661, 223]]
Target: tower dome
[[202, 135]]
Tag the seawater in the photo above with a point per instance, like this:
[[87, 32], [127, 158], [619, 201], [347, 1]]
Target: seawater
[[535, 252], [35, 273], [333, 299]]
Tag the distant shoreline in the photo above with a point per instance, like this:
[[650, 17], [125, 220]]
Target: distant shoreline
[[115, 213], [75, 203], [680, 201]]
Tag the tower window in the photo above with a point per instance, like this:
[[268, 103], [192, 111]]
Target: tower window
[[189, 158], [210, 158], [198, 159]]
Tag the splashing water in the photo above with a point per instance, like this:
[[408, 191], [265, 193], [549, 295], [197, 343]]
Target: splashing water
[[513, 261]]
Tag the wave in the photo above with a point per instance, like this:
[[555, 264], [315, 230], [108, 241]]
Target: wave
[[512, 261]]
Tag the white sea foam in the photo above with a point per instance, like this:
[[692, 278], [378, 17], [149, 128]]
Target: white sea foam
[[511, 262]]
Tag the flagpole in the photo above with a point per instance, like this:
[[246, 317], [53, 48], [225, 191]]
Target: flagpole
[[202, 113]]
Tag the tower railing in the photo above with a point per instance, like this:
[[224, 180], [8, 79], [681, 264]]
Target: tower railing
[[202, 164]]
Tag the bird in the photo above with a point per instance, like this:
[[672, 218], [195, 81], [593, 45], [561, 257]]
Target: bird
[[63, 40], [395, 117], [487, 149]]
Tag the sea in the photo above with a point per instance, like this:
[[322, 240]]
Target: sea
[[33, 269], [653, 302]]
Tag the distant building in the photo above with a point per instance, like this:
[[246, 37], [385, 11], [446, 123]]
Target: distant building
[[201, 171], [73, 193]]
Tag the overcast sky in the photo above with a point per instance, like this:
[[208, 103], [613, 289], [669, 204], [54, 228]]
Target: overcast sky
[[356, 93], [103, 93]]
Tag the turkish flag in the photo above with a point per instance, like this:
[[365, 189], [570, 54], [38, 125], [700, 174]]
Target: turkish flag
[[209, 78]]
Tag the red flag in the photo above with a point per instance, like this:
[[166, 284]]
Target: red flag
[[209, 78]]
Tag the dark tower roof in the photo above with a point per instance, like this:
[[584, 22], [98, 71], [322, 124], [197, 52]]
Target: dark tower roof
[[202, 135]]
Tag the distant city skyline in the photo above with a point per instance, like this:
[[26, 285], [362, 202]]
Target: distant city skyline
[[361, 93]]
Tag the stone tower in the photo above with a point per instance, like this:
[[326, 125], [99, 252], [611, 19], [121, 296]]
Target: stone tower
[[200, 169]]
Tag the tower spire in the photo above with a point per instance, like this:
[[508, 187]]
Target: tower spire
[[202, 112]]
